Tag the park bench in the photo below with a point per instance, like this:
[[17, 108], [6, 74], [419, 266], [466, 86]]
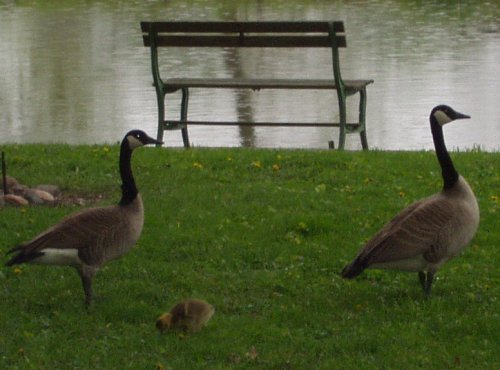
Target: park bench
[[253, 35]]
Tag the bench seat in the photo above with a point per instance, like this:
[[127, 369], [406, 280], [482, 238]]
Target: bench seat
[[174, 84]]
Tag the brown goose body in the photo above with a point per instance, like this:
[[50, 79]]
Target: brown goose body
[[429, 232], [89, 238]]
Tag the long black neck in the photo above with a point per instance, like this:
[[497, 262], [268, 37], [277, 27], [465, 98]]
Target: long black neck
[[129, 189], [448, 171]]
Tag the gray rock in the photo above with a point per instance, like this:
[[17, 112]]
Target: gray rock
[[37, 196], [15, 200], [11, 182], [17, 189], [51, 189], [33, 197]]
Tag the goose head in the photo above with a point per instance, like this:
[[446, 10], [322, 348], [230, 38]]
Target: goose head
[[443, 114], [137, 138], [164, 322]]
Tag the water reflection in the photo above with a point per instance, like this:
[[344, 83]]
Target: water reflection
[[244, 104], [77, 72]]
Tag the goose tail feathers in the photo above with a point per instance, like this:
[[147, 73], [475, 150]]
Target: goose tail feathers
[[21, 257], [353, 269]]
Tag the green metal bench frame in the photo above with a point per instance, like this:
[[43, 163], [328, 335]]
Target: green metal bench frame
[[253, 34]]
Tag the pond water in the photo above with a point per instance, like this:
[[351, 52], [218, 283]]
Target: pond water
[[76, 72]]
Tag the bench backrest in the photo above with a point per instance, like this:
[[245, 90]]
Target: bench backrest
[[246, 34], [243, 34]]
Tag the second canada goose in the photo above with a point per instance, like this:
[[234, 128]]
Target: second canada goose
[[89, 238], [429, 232]]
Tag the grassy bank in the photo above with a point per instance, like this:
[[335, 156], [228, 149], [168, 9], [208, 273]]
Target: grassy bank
[[262, 235]]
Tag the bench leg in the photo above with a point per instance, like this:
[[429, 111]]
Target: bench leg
[[161, 115], [362, 118], [343, 123], [184, 109]]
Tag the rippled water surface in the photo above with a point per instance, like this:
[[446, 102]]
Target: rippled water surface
[[78, 73]]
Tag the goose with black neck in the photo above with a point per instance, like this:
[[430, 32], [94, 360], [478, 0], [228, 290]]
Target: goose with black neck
[[89, 238], [430, 232]]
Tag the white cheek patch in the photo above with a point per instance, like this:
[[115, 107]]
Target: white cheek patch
[[442, 118], [61, 257], [133, 142]]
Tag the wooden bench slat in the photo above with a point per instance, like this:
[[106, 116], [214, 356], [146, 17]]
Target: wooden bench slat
[[175, 123], [210, 27], [257, 84], [245, 41]]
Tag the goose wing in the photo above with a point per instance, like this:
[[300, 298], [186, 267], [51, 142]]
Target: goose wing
[[80, 230], [410, 233]]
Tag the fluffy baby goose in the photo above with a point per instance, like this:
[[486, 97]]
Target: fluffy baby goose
[[430, 232], [89, 238], [190, 315]]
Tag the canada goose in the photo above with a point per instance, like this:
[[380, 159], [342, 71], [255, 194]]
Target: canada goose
[[190, 315], [431, 231], [89, 238]]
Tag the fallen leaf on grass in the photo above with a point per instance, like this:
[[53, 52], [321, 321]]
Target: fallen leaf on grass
[[252, 354], [234, 358]]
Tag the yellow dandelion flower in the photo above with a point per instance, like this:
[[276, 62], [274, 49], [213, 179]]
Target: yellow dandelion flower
[[105, 149], [17, 271], [347, 189], [302, 227], [320, 188], [276, 167], [197, 165], [256, 164], [494, 198]]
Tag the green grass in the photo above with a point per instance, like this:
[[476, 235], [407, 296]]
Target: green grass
[[262, 235]]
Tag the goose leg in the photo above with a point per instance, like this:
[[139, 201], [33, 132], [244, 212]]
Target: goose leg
[[421, 278], [428, 283], [87, 274]]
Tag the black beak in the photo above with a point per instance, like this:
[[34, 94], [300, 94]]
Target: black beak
[[150, 140], [459, 115]]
